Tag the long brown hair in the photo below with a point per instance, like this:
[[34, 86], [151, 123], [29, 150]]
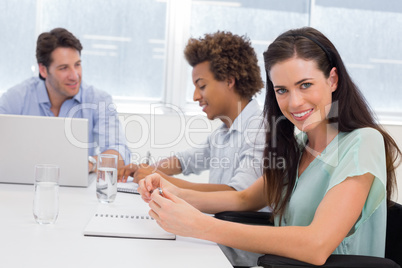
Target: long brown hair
[[351, 112]]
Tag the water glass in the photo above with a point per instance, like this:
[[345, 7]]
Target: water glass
[[106, 180], [46, 196]]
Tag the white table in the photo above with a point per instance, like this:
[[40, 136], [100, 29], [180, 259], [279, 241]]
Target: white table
[[24, 243]]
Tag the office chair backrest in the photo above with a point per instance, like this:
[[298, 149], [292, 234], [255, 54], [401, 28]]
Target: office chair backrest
[[393, 246], [393, 250]]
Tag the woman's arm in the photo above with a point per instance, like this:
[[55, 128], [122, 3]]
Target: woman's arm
[[249, 199], [334, 218], [166, 167], [144, 170]]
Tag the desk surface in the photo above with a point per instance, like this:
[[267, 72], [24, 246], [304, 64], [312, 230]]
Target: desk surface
[[24, 243]]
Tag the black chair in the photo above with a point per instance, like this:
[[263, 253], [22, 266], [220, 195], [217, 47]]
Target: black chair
[[393, 247]]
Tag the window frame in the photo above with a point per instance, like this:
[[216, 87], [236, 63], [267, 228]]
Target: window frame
[[176, 68]]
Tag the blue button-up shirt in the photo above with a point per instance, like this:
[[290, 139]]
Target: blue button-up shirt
[[105, 131], [233, 156]]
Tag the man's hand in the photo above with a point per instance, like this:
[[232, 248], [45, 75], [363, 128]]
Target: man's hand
[[126, 171], [90, 167], [142, 171]]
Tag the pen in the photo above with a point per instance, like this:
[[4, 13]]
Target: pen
[[148, 158]]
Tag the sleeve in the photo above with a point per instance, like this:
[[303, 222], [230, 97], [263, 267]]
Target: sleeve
[[365, 154], [11, 102], [250, 161], [108, 129], [195, 160]]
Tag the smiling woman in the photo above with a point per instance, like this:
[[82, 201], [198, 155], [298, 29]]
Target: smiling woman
[[330, 196], [303, 92], [305, 73]]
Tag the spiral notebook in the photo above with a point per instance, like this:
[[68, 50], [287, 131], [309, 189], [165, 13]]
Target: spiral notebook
[[127, 187], [110, 221]]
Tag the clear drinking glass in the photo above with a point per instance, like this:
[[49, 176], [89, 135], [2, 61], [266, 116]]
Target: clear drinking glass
[[106, 180], [46, 196]]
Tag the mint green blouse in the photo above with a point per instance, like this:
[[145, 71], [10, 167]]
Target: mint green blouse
[[349, 154]]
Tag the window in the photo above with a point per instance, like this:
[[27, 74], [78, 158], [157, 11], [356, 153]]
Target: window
[[133, 49], [261, 21], [17, 42], [368, 35], [123, 42]]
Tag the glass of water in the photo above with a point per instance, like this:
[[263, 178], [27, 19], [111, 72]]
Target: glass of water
[[106, 180], [46, 196]]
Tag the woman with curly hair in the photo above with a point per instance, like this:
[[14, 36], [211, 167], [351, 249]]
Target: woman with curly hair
[[331, 195], [226, 77]]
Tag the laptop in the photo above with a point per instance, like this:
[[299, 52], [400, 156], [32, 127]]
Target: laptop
[[29, 140]]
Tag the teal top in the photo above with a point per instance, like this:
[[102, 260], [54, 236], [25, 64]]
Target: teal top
[[349, 154]]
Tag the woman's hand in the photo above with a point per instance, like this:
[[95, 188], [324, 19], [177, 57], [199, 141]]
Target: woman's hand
[[177, 216], [154, 181]]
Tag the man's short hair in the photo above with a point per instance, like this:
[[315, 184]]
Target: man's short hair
[[49, 41]]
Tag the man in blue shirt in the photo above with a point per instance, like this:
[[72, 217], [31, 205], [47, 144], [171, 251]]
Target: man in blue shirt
[[59, 91]]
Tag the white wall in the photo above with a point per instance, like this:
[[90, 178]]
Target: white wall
[[163, 135]]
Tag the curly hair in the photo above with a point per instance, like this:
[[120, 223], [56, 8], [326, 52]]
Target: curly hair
[[229, 55]]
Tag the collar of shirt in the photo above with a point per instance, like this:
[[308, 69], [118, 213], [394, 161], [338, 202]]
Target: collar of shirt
[[43, 96], [242, 120]]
